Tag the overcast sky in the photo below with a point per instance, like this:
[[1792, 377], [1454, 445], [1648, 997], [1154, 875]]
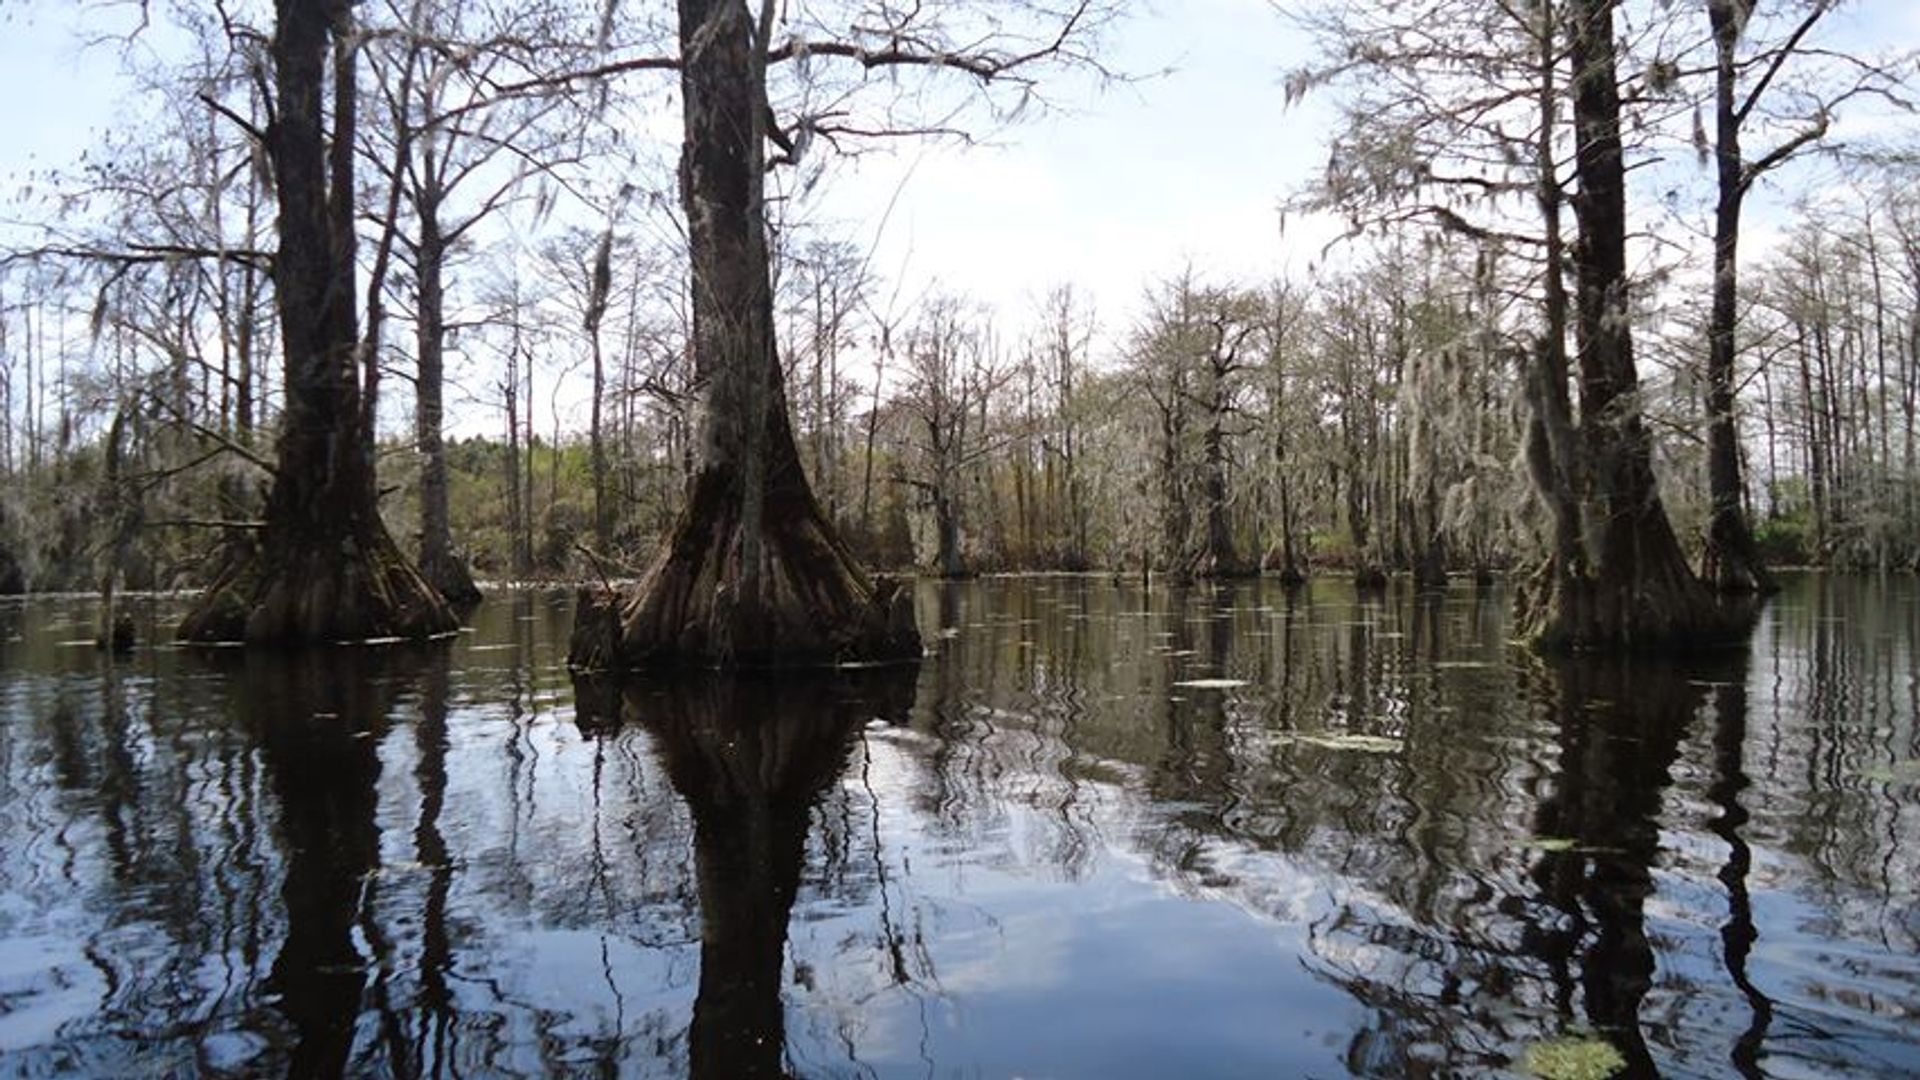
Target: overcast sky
[[1124, 184]]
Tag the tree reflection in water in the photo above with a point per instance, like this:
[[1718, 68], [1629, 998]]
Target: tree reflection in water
[[1231, 829], [752, 756], [1620, 727], [318, 718]]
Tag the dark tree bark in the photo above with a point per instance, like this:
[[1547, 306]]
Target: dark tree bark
[[1279, 333], [442, 568], [1632, 590], [753, 573], [1428, 536], [1174, 517], [949, 554], [599, 286], [510, 386], [13, 581], [1367, 571], [1550, 449], [324, 567], [1220, 556], [1731, 560], [121, 502], [1291, 570]]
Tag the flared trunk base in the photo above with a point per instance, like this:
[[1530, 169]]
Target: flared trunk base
[[792, 597], [1224, 567], [1653, 612], [449, 576], [307, 590], [1732, 566]]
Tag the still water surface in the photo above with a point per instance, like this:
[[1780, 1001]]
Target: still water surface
[[1102, 831]]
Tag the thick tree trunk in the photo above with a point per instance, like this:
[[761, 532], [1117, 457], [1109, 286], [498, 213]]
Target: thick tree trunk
[[1428, 537], [13, 580], [1636, 592], [1173, 487], [950, 555], [1291, 572], [122, 502], [324, 568], [753, 573], [1367, 572], [1731, 561], [442, 568], [1221, 557]]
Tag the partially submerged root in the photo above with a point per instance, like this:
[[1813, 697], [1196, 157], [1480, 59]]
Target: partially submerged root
[[1654, 613], [791, 598], [449, 576], [313, 591]]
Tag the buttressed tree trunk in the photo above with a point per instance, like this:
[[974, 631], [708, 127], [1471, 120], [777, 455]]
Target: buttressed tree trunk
[[324, 568], [753, 575], [1635, 592]]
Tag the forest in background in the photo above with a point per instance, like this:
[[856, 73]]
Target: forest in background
[[524, 270]]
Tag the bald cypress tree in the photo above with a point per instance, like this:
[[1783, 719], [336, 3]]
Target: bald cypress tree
[[324, 567]]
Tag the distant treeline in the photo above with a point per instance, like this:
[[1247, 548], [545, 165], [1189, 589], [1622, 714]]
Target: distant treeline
[[1371, 423]]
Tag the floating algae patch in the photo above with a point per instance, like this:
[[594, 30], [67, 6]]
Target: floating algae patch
[[1574, 1058], [1899, 772], [1327, 740]]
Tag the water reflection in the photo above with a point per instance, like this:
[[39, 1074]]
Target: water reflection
[[1738, 933], [1104, 830], [751, 757], [1620, 726], [318, 718]]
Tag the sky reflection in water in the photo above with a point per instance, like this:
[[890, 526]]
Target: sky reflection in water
[[1365, 836]]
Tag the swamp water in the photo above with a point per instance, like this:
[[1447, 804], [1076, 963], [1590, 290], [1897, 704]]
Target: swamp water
[[1101, 831]]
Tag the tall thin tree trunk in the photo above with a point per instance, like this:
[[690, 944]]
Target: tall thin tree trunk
[[516, 508], [1730, 561], [442, 568], [599, 289], [873, 430]]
